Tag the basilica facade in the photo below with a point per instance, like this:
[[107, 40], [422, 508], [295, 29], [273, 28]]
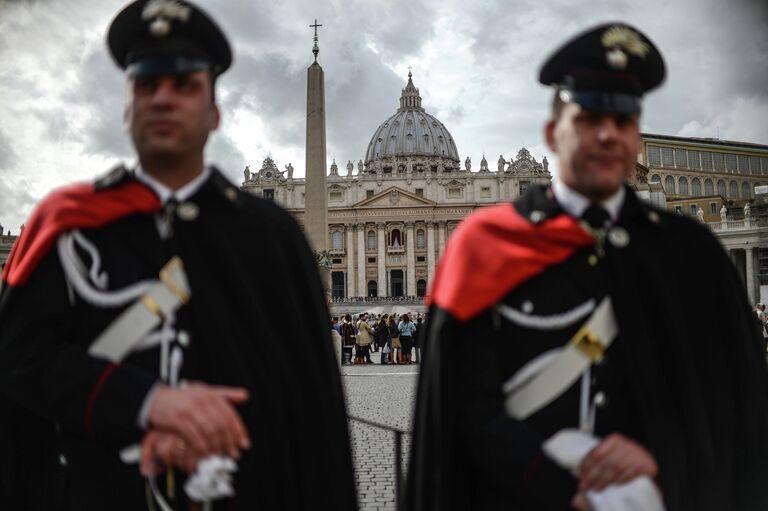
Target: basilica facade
[[389, 215]]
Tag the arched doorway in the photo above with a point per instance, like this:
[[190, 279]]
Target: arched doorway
[[337, 284], [421, 288], [372, 287]]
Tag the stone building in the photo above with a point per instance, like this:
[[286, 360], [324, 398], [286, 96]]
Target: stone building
[[390, 214]]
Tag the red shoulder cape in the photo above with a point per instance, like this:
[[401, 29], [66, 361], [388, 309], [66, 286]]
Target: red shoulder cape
[[494, 250], [76, 206]]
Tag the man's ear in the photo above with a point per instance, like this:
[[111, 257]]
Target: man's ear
[[214, 117], [549, 134]]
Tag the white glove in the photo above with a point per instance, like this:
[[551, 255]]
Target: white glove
[[212, 480]]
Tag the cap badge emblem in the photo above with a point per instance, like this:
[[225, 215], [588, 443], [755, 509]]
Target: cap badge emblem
[[160, 13], [620, 41]]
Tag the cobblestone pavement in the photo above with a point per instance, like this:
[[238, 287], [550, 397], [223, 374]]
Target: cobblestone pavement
[[384, 394]]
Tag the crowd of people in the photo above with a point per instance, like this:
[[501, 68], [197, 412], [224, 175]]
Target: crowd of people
[[394, 335]]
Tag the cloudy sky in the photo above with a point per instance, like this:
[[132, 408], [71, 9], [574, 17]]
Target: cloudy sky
[[475, 62]]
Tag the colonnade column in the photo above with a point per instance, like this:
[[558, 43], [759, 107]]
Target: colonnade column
[[430, 252], [350, 228], [361, 291], [410, 257], [440, 238], [381, 260], [750, 274]]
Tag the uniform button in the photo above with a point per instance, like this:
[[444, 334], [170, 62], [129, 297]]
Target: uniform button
[[601, 400], [183, 338], [536, 216], [62, 460], [527, 306], [592, 260], [188, 211], [231, 194], [619, 237], [653, 217]]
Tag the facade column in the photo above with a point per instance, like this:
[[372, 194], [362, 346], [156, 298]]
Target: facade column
[[381, 259], [361, 290], [441, 228], [750, 274], [350, 228], [410, 257], [430, 252]]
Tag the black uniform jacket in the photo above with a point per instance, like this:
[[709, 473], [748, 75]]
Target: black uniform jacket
[[685, 377], [251, 274]]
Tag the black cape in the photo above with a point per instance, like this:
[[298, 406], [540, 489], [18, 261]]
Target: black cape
[[693, 361], [257, 319]]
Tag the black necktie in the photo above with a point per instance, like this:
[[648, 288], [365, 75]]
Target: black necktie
[[597, 217]]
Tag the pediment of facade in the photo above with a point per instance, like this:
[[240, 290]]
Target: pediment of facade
[[394, 197]]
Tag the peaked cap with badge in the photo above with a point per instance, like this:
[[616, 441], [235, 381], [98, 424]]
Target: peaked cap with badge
[[152, 37], [605, 69]]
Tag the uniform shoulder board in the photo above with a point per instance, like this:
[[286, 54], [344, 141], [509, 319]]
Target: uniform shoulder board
[[113, 177]]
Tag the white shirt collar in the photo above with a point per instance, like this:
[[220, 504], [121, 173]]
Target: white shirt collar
[[164, 193], [575, 204]]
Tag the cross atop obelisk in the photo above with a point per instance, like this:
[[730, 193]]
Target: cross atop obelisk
[[315, 48]]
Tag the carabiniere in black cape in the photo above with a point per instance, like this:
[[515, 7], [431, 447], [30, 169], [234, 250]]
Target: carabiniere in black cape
[[686, 377], [257, 319]]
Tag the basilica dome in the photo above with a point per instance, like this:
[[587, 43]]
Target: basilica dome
[[411, 132]]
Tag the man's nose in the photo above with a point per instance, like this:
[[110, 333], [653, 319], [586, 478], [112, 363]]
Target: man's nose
[[164, 92], [608, 129]]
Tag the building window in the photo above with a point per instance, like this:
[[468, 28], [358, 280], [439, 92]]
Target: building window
[[336, 196], [669, 185], [713, 208], [523, 187], [368, 194], [336, 261], [709, 189], [372, 287], [743, 164], [421, 288], [693, 209], [371, 240], [655, 178], [420, 192], [733, 189], [667, 157], [693, 160], [718, 161], [485, 192], [745, 191], [395, 238], [421, 241], [681, 160], [372, 260], [730, 162], [654, 155], [421, 259], [754, 165], [268, 194], [706, 160], [695, 186], [337, 240], [721, 188], [454, 193], [679, 210], [683, 185], [764, 166]]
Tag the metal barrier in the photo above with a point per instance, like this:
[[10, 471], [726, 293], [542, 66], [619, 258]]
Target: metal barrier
[[398, 451]]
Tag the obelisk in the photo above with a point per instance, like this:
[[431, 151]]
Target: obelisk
[[316, 193]]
